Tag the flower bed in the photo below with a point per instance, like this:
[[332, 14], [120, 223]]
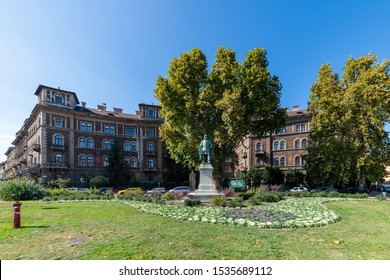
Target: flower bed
[[291, 213]]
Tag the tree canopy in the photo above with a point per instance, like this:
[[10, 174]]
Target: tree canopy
[[348, 140], [228, 103]]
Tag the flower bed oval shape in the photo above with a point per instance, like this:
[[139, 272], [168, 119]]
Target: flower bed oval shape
[[293, 213], [257, 214]]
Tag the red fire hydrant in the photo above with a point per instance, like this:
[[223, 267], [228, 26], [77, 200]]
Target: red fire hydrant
[[16, 206]]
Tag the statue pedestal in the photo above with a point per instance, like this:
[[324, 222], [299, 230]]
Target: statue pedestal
[[206, 189]]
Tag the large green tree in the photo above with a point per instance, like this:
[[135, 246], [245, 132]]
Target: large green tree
[[348, 140], [116, 167], [228, 103]]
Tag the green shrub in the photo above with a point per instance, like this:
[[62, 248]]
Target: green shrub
[[169, 196], [98, 182], [218, 201], [21, 189], [236, 202], [247, 195], [261, 197], [192, 202]]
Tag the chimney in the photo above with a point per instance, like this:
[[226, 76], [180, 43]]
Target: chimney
[[83, 104], [295, 108], [118, 110], [101, 108]]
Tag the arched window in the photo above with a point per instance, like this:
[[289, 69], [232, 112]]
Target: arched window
[[90, 161], [83, 160], [133, 147], [127, 161], [58, 158], [106, 145], [282, 161], [259, 161], [276, 145], [82, 143], [150, 163], [282, 145], [58, 139], [276, 161], [297, 160], [112, 144], [90, 143], [259, 146], [304, 144], [105, 161], [296, 144], [133, 162], [150, 147], [127, 146], [151, 113]]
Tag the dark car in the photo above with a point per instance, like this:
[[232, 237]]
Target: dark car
[[107, 190], [354, 190]]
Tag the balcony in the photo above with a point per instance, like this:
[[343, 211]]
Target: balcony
[[36, 169], [57, 147], [259, 152], [36, 148], [150, 153], [56, 165]]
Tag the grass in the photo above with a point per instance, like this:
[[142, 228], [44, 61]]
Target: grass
[[111, 230]]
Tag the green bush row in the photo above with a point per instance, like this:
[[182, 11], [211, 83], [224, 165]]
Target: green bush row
[[325, 194]]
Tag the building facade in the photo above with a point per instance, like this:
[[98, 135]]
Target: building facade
[[284, 148], [63, 139]]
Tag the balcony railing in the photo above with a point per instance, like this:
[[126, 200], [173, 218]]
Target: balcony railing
[[57, 147], [259, 152], [56, 165]]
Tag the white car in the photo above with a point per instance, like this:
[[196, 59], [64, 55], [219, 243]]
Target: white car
[[299, 189], [181, 189], [156, 191]]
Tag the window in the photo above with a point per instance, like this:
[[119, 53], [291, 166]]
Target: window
[[282, 145], [112, 144], [58, 122], [58, 140], [150, 113], [259, 161], [90, 161], [150, 147], [127, 161], [150, 163], [297, 160], [304, 144], [59, 99], [83, 126], [282, 161], [89, 127], [109, 129], [82, 143], [300, 127], [296, 144], [90, 143], [276, 145], [106, 145], [131, 131], [303, 127], [133, 147], [48, 95], [150, 132], [83, 160], [105, 161], [276, 161], [58, 159], [127, 146], [259, 146], [282, 131], [133, 162]]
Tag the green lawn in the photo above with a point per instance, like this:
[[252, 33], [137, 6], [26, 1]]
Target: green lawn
[[112, 230]]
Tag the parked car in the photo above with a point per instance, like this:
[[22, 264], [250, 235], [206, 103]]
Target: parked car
[[386, 188], [354, 190], [78, 189], [107, 189], [180, 189], [323, 189], [299, 189], [156, 191], [130, 190]]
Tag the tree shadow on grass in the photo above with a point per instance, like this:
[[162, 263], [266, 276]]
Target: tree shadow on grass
[[34, 227]]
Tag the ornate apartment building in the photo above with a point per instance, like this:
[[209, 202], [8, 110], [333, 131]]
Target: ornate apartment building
[[62, 138], [283, 148]]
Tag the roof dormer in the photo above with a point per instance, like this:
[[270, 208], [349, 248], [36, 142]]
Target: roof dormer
[[57, 97]]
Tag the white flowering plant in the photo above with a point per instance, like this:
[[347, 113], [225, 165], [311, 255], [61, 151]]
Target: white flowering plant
[[290, 213]]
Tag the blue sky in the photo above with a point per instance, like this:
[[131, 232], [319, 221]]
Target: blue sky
[[113, 51]]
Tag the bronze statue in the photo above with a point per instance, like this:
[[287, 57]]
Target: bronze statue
[[205, 150]]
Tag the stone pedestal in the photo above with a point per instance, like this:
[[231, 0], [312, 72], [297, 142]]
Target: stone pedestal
[[206, 189]]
